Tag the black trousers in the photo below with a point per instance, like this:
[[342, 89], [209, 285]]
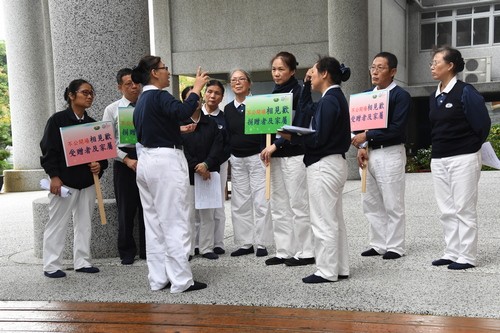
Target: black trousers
[[128, 202]]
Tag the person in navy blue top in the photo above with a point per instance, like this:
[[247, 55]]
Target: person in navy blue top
[[162, 175], [289, 200], [326, 165], [203, 149], [214, 93], [79, 179], [384, 200], [460, 124]]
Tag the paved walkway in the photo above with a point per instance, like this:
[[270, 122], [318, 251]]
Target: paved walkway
[[406, 285]]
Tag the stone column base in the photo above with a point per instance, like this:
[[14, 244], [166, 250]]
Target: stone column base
[[22, 180]]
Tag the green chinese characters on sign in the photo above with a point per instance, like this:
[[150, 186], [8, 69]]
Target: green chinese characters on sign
[[265, 114], [126, 129]]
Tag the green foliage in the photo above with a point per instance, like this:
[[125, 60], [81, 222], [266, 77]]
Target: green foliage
[[5, 131], [420, 162]]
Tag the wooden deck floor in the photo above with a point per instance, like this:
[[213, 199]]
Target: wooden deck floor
[[138, 317]]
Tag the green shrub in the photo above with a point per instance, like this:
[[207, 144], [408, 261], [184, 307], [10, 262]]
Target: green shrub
[[494, 139]]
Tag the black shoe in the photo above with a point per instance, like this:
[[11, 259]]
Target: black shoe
[[242, 251], [299, 262], [196, 286], [90, 269], [275, 261], [457, 265], [219, 250], [190, 258], [370, 253], [343, 277], [261, 252], [196, 251], [391, 255], [55, 275], [315, 279], [127, 261], [167, 286], [210, 255], [442, 262]]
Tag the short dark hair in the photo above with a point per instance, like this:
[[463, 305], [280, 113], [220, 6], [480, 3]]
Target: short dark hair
[[217, 83], [142, 72], [73, 88], [392, 60], [338, 72], [288, 58], [185, 92], [121, 73], [451, 55]]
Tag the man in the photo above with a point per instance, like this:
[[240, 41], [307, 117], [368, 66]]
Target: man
[[383, 202], [124, 173]]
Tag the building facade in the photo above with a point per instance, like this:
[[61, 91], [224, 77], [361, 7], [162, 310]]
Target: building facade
[[51, 42]]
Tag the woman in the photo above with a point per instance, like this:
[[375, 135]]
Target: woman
[[289, 201], [459, 125], [249, 208], [162, 175], [203, 148], [78, 179], [214, 93], [326, 166]]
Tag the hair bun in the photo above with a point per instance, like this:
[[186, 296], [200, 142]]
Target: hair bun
[[346, 72]]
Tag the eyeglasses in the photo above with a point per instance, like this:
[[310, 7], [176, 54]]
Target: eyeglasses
[[434, 63], [374, 69], [86, 93], [238, 79], [164, 67]]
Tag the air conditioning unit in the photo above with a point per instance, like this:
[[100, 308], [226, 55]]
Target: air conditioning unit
[[477, 70]]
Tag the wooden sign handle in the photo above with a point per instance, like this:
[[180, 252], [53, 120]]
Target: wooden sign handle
[[268, 170], [363, 174], [100, 202]]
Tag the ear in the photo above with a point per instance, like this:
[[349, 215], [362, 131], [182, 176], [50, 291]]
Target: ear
[[393, 72], [324, 75], [451, 66]]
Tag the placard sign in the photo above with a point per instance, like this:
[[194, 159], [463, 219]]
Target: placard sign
[[265, 114], [369, 110], [126, 127], [88, 142]]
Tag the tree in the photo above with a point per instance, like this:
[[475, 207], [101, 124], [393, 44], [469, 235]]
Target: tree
[[5, 130]]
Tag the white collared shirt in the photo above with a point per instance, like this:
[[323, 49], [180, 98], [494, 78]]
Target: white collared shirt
[[448, 87], [214, 113], [330, 87], [389, 87], [111, 114]]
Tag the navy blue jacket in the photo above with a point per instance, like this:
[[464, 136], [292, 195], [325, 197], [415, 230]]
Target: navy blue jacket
[[461, 124], [330, 119], [53, 160], [204, 144]]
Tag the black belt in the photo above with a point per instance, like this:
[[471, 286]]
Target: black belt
[[128, 149], [373, 147], [167, 146]]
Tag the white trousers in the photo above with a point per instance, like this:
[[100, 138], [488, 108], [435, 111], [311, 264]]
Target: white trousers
[[250, 211], [163, 181], [456, 181], [384, 200], [290, 208], [202, 223], [220, 213], [325, 181], [80, 204]]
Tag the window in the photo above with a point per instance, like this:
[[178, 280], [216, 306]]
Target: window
[[496, 38], [461, 27]]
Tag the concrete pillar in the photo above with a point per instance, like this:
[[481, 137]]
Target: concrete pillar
[[93, 40], [348, 43], [31, 94]]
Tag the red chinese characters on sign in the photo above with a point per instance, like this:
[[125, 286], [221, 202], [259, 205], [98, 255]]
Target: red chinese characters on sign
[[369, 110], [88, 142]]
